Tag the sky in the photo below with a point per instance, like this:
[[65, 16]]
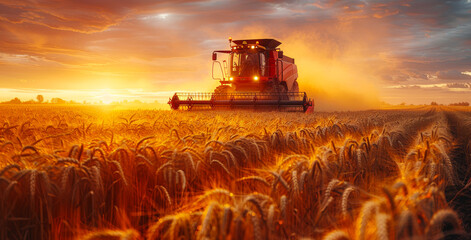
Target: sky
[[351, 54]]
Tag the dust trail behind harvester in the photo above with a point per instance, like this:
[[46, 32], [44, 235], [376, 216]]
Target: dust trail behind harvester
[[338, 75], [332, 83]]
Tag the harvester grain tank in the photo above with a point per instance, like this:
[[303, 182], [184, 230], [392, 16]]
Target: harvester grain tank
[[255, 74]]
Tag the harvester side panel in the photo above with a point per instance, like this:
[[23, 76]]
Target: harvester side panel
[[290, 74]]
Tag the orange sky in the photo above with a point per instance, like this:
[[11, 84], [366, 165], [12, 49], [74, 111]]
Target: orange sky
[[350, 54]]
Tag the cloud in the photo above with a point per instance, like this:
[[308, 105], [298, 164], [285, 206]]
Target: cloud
[[410, 87], [87, 16], [458, 85], [453, 75]]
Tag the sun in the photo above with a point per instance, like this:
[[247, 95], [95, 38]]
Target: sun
[[106, 96]]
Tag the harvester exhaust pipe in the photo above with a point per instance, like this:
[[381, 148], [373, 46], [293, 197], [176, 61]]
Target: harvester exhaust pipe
[[291, 101]]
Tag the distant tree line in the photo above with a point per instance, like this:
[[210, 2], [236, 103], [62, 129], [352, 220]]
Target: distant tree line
[[452, 104], [460, 104], [39, 100]]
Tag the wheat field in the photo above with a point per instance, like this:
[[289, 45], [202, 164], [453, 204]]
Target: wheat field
[[83, 172]]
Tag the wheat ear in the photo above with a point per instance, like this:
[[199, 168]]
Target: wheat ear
[[344, 204], [336, 235], [369, 209], [443, 221]]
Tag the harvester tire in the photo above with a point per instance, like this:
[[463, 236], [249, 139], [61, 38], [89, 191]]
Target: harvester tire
[[274, 88]]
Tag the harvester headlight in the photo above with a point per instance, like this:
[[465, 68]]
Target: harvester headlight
[[231, 78], [253, 47], [255, 78]]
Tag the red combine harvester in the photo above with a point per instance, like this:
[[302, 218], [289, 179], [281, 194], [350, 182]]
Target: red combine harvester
[[255, 75]]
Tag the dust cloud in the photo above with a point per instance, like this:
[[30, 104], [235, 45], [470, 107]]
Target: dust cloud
[[332, 83], [336, 72]]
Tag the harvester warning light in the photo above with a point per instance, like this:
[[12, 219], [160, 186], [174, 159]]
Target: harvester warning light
[[231, 78], [255, 78]]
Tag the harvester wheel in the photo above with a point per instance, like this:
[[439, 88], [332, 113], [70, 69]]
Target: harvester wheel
[[283, 91], [283, 87], [270, 87]]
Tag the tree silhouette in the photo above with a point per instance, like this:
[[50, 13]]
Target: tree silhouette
[[58, 101], [40, 98], [15, 101]]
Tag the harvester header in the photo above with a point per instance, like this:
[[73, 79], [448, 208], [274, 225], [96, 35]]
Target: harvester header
[[254, 73]]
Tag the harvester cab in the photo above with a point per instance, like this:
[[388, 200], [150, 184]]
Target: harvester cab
[[254, 73], [255, 65]]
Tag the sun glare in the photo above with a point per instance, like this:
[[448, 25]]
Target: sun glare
[[106, 96], [163, 15]]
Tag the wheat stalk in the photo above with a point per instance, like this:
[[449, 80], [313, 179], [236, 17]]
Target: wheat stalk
[[68, 160], [32, 183], [257, 205], [7, 191], [222, 166], [283, 203], [154, 231], [144, 158], [167, 196], [9, 167], [130, 234], [190, 159], [257, 228], [407, 226], [120, 171], [336, 235], [96, 179], [279, 178], [205, 231], [294, 180], [231, 157], [214, 192], [332, 184], [444, 221], [302, 180], [226, 221], [382, 222], [271, 218], [344, 203], [369, 209], [254, 179]]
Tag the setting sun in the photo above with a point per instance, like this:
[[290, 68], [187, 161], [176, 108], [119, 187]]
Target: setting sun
[[107, 96]]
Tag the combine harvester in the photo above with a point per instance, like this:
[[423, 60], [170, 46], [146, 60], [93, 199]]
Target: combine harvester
[[255, 75]]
